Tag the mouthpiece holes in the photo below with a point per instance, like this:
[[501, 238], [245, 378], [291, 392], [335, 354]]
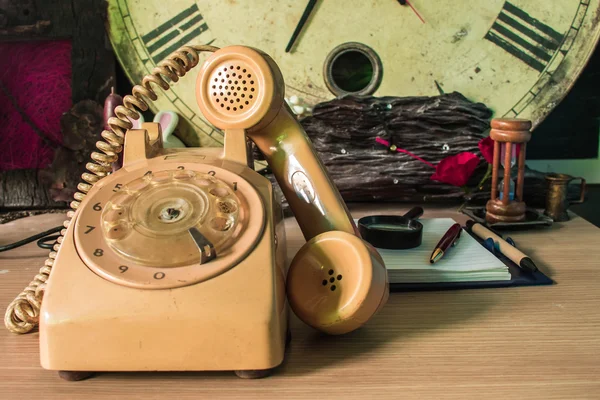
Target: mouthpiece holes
[[331, 280]]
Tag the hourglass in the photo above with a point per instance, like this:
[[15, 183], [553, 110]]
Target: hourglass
[[510, 136]]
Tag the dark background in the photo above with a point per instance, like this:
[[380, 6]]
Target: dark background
[[571, 130]]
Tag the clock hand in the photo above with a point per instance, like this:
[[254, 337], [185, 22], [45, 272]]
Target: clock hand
[[303, 19], [405, 2]]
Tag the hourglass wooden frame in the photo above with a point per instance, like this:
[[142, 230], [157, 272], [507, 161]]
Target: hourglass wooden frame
[[506, 132]]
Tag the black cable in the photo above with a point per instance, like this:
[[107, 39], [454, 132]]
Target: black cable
[[47, 242], [33, 238]]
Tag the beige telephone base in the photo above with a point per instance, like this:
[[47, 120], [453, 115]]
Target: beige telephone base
[[102, 317]]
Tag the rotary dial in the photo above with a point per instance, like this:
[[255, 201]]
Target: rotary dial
[[169, 226]]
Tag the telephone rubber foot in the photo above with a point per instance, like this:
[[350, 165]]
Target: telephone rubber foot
[[75, 375], [254, 373]]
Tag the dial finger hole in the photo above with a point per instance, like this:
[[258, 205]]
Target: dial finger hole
[[121, 199], [221, 224], [219, 192], [160, 176], [114, 215], [184, 175], [202, 181], [118, 231], [227, 206]]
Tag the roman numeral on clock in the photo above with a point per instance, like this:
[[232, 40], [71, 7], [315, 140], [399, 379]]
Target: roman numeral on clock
[[174, 33], [526, 38]]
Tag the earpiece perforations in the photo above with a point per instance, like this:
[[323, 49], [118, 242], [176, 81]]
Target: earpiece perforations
[[233, 87]]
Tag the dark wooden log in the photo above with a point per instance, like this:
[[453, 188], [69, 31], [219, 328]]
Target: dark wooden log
[[21, 189], [344, 130]]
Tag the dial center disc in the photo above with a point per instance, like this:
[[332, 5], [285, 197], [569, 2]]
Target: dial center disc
[[170, 209]]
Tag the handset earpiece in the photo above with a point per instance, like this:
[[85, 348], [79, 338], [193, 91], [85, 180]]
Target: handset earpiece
[[337, 281]]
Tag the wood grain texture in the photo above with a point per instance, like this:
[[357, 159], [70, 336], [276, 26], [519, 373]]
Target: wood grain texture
[[513, 343]]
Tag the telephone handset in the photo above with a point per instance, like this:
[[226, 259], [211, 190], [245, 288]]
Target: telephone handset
[[333, 249], [203, 229]]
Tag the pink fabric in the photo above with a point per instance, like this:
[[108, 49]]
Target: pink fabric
[[38, 75]]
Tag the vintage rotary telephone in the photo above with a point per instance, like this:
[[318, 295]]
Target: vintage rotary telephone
[[177, 260]]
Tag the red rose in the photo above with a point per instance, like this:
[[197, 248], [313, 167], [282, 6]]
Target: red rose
[[456, 170], [486, 146]]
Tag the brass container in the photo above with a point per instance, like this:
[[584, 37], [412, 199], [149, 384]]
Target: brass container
[[556, 199]]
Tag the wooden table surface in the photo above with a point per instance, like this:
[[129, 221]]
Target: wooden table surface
[[513, 343]]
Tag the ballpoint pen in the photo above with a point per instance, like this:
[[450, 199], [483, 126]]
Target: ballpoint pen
[[514, 254], [449, 239]]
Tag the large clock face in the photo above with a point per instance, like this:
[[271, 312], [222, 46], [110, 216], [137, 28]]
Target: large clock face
[[519, 57]]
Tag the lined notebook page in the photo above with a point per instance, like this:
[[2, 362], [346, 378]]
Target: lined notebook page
[[468, 261]]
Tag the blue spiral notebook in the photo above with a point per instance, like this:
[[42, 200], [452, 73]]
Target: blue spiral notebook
[[467, 265]]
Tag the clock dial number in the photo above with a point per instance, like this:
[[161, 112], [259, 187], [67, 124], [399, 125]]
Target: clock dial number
[[174, 33], [526, 38]]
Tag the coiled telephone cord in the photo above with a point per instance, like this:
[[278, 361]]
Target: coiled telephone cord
[[22, 314]]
